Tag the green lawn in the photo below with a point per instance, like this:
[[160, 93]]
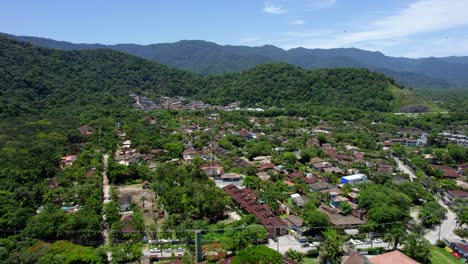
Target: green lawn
[[440, 255], [310, 261]]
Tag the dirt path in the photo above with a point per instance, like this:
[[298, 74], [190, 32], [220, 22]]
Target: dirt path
[[106, 199], [405, 169]]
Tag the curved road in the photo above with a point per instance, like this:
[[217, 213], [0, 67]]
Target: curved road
[[446, 228], [448, 224]]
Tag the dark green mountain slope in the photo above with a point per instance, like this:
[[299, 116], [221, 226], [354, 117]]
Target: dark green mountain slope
[[209, 58], [36, 80]]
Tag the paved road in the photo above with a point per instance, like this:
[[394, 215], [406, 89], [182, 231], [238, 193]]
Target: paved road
[[106, 196], [287, 242], [405, 168], [447, 227]]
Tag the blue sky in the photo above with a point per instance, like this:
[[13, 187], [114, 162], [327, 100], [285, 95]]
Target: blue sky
[[409, 28]]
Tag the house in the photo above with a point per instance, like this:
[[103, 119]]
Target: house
[[334, 170], [353, 179], [455, 194], [266, 166], [393, 257], [297, 199], [336, 200], [320, 166], [213, 170], [127, 144], [296, 224], [68, 160], [449, 173], [190, 154], [319, 186], [240, 162], [337, 219], [385, 169], [247, 201], [231, 177], [355, 258]]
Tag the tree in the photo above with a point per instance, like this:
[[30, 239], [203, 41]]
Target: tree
[[345, 208], [331, 247], [316, 220], [432, 213], [258, 255], [417, 247], [295, 255], [395, 236]]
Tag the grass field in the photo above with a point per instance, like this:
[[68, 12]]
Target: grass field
[[440, 255], [406, 97], [310, 261]]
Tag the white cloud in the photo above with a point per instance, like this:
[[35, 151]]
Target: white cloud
[[402, 28], [419, 17], [273, 9], [297, 22]]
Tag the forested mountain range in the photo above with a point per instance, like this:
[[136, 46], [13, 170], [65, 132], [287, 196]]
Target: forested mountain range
[[35, 79], [210, 58]]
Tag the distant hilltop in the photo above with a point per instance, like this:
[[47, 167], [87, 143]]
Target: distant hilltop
[[210, 58]]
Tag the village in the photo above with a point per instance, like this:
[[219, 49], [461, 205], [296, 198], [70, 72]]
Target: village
[[296, 176]]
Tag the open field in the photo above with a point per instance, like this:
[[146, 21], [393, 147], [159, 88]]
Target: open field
[[406, 97]]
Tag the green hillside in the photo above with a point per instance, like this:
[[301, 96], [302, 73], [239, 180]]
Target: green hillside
[[39, 80], [406, 97]]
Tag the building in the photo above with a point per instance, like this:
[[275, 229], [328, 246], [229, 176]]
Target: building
[[393, 257], [297, 199], [296, 224], [456, 194], [353, 179], [231, 177], [247, 201]]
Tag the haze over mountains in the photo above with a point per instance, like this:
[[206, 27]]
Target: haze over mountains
[[210, 58]]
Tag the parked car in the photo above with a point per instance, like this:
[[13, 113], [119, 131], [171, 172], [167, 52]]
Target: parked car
[[155, 250], [179, 249], [378, 240], [367, 241], [305, 245], [358, 242]]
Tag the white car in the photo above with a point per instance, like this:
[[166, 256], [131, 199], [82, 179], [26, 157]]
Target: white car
[[378, 240], [358, 242], [155, 250]]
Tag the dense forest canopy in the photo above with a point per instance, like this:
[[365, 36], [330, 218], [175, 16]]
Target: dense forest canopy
[[33, 79], [210, 58]]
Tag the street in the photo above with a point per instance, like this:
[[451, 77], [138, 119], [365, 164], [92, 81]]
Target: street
[[447, 227], [405, 169]]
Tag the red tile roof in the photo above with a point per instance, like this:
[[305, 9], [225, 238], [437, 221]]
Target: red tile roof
[[394, 257], [247, 200], [448, 172]]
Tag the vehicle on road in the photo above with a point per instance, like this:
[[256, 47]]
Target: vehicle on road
[[155, 250]]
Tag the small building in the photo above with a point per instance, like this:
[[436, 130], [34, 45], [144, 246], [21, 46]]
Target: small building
[[297, 199], [231, 177], [456, 194], [319, 186], [353, 179], [296, 224]]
